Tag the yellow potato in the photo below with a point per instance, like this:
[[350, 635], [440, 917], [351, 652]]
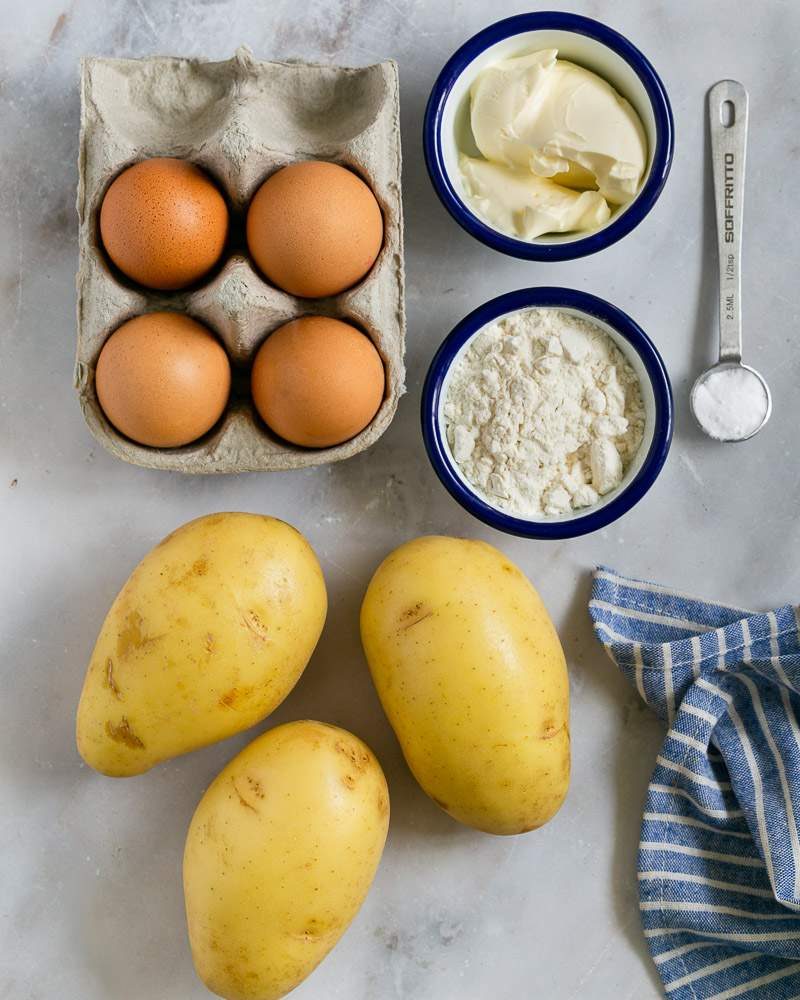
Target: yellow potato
[[279, 857], [472, 677], [210, 633]]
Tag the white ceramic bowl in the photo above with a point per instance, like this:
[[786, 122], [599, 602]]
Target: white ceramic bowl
[[639, 351], [581, 40]]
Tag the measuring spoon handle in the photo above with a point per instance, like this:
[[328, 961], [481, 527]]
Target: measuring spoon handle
[[727, 116]]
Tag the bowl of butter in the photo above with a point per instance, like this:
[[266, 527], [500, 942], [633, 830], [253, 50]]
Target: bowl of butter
[[548, 136]]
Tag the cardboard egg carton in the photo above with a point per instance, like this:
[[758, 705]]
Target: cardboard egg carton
[[240, 120]]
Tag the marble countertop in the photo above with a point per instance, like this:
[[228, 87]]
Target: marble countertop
[[91, 901]]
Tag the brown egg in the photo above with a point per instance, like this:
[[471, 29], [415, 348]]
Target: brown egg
[[163, 379], [314, 228], [317, 381], [164, 223]]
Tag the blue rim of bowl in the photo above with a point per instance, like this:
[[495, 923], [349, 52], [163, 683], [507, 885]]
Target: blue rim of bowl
[[564, 298], [662, 155]]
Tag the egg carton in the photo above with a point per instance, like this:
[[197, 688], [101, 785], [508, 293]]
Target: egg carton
[[240, 120]]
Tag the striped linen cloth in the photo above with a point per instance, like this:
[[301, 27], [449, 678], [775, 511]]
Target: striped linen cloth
[[719, 857]]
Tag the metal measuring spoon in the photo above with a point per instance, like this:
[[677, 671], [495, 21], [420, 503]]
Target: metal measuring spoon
[[731, 401]]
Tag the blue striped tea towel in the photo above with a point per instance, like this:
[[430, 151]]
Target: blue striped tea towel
[[719, 858]]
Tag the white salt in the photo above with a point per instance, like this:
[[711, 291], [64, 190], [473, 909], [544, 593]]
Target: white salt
[[731, 404]]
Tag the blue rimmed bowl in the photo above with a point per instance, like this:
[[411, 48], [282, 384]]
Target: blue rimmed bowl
[[584, 41], [639, 351]]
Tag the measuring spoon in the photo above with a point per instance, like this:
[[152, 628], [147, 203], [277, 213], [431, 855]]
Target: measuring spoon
[[731, 401]]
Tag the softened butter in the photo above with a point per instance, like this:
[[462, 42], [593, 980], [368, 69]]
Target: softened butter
[[562, 149]]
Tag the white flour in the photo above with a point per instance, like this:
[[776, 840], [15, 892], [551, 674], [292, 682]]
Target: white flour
[[543, 413]]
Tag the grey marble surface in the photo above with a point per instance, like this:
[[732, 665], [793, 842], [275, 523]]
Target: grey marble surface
[[91, 904]]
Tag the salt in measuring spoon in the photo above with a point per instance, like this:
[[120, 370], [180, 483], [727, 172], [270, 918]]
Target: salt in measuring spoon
[[731, 401]]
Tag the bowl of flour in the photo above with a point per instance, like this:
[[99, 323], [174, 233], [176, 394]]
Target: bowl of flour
[[547, 413]]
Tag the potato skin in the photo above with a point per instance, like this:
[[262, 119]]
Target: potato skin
[[472, 677], [210, 633], [279, 857]]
